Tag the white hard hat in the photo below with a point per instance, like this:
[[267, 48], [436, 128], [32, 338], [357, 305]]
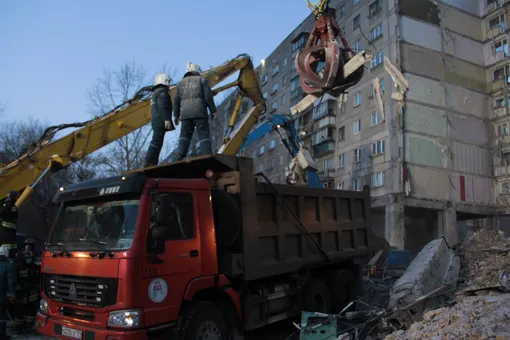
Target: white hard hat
[[4, 251], [163, 79], [193, 68]]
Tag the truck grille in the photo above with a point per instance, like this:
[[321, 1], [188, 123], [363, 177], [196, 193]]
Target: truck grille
[[81, 290]]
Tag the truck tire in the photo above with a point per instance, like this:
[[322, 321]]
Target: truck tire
[[343, 286], [317, 297], [227, 218], [203, 320]]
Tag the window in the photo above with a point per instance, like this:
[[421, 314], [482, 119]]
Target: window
[[356, 184], [294, 84], [355, 2], [503, 129], [356, 127], [376, 32], [341, 11], [500, 46], [272, 144], [264, 79], [340, 186], [284, 99], [274, 106], [498, 21], [320, 110], [321, 136], [377, 60], [275, 88], [264, 95], [499, 103], [374, 8], [357, 99], [381, 84], [276, 69], [378, 179], [326, 121], [328, 164], [298, 43], [341, 133], [180, 215], [356, 46], [357, 155], [285, 61], [261, 150], [284, 80], [341, 161], [356, 22], [293, 67], [501, 73], [375, 118], [378, 147]]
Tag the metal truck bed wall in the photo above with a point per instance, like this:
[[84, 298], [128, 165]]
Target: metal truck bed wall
[[271, 240]]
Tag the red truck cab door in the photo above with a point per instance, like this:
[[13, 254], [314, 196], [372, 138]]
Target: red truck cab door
[[164, 283]]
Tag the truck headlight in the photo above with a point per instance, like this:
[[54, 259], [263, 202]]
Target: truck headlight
[[124, 318], [43, 306]]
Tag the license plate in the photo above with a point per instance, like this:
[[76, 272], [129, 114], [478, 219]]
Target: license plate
[[72, 333]]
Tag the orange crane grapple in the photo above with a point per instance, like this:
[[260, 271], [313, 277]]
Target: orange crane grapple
[[323, 47]]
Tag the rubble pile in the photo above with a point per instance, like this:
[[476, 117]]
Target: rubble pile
[[481, 306]]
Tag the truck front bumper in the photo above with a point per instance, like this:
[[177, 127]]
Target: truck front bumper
[[55, 328]]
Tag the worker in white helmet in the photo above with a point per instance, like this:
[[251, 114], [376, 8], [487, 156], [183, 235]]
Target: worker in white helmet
[[161, 113], [7, 288], [193, 96]]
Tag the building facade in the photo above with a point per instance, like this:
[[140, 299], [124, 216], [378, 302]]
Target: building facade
[[440, 156]]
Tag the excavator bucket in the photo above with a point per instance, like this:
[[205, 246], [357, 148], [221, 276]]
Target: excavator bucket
[[323, 49]]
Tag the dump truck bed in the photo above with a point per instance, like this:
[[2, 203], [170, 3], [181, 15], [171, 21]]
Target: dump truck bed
[[325, 225]]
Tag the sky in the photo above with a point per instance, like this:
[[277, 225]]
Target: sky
[[53, 50]]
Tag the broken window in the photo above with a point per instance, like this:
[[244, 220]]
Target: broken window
[[320, 110], [374, 8], [376, 32], [357, 155], [500, 73], [356, 22], [356, 127], [299, 43], [378, 179], [356, 184], [341, 133], [498, 21], [500, 46]]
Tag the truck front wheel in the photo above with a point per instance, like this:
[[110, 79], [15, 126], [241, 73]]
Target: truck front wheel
[[203, 320]]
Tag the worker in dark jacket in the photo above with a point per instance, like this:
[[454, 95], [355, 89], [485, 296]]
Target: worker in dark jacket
[[161, 113], [7, 289], [8, 220], [27, 293], [193, 96]]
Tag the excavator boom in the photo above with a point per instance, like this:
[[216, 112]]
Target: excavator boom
[[49, 156]]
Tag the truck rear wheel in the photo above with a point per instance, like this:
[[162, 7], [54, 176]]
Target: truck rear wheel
[[317, 297], [203, 320]]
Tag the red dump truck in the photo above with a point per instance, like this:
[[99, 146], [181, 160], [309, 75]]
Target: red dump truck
[[198, 249]]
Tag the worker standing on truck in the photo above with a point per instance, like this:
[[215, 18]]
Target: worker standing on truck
[[7, 288], [161, 118], [193, 96], [8, 220], [27, 293]]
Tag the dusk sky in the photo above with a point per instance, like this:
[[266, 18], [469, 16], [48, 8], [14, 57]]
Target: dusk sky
[[53, 50]]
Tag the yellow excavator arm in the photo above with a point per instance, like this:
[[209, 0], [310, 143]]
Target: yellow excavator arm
[[50, 156]]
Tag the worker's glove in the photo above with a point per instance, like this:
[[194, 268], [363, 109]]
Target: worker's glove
[[168, 125], [176, 121]]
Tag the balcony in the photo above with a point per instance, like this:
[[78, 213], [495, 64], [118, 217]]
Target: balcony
[[324, 148]]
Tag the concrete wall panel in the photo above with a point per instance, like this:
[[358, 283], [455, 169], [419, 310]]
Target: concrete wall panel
[[428, 183], [483, 190], [463, 100], [471, 159], [463, 23], [471, 6], [413, 32], [469, 130], [425, 151], [421, 61], [425, 90], [425, 120]]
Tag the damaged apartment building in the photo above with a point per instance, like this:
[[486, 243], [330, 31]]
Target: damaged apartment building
[[435, 154]]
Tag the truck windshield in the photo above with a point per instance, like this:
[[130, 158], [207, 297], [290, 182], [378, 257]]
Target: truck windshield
[[100, 225]]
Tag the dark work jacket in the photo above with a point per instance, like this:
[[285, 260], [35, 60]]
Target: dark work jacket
[[193, 96], [161, 106], [7, 279]]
